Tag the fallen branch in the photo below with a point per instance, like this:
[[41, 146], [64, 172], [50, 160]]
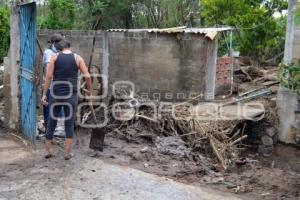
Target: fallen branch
[[147, 118], [224, 165], [238, 140]]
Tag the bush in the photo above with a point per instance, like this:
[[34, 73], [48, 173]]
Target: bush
[[289, 76], [4, 32], [260, 35]]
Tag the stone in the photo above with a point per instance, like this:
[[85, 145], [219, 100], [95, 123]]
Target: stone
[[266, 151], [266, 140], [144, 150], [172, 145]]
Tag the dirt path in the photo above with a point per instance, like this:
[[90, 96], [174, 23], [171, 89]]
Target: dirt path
[[27, 175]]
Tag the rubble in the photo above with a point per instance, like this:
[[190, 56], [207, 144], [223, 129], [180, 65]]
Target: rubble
[[190, 131], [183, 135], [172, 145]]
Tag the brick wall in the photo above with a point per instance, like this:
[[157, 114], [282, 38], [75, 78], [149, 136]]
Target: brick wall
[[224, 75]]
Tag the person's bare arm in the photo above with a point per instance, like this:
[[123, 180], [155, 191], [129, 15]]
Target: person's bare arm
[[48, 79], [84, 70]]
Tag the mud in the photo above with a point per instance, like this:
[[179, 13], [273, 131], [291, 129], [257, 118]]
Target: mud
[[27, 175], [276, 177]]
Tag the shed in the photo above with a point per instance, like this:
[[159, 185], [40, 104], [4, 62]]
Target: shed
[[167, 64]]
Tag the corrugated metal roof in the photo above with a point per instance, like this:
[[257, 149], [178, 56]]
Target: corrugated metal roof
[[208, 32]]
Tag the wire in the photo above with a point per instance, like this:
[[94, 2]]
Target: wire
[[254, 27]]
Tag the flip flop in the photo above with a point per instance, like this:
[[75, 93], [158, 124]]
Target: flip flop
[[68, 157], [49, 156]]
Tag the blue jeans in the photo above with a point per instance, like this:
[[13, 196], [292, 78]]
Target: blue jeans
[[69, 107]]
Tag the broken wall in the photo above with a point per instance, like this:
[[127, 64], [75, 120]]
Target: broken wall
[[224, 75]]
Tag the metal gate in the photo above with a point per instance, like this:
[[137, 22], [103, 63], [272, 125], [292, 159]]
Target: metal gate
[[27, 73]]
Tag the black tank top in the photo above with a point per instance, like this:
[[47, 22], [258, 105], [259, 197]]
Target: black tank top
[[65, 75]]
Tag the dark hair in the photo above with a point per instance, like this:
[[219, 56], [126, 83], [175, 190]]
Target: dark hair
[[56, 37], [62, 45]]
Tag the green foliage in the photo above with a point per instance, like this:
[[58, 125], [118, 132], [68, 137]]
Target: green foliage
[[289, 76], [61, 15], [260, 35], [4, 32]]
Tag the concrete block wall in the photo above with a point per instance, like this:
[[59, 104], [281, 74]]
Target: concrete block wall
[[288, 104], [82, 42], [169, 67]]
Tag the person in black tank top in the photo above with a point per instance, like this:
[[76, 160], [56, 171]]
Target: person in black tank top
[[63, 72]]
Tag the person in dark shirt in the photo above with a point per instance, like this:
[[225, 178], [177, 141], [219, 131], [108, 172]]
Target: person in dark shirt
[[48, 53], [62, 72]]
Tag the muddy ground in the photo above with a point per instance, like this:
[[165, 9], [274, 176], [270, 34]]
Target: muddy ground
[[276, 177], [26, 175]]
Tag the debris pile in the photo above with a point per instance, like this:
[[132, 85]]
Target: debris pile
[[247, 77], [213, 138], [199, 129]]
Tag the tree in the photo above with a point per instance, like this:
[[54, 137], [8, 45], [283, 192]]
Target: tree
[[4, 32], [260, 35], [61, 15], [90, 14], [166, 13]]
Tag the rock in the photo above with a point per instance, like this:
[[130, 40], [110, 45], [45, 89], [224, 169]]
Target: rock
[[271, 131], [214, 180], [144, 150], [135, 156], [267, 140], [265, 150], [146, 165], [172, 145]]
